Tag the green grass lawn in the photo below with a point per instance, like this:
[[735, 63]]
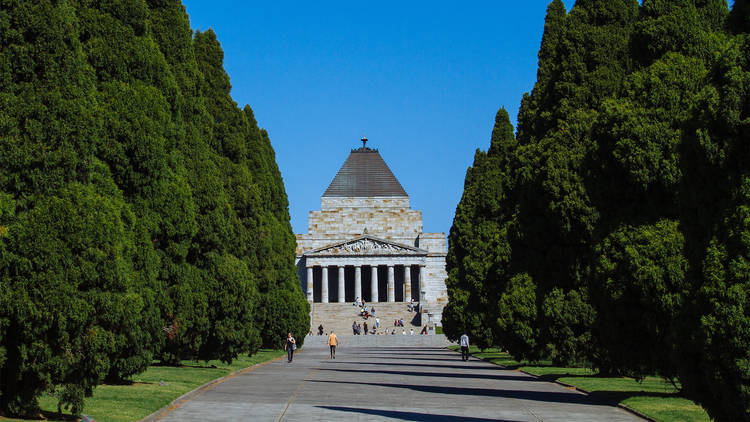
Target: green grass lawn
[[653, 396], [146, 395]]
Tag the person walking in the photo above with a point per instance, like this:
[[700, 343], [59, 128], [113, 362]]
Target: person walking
[[333, 341], [377, 322], [464, 341], [364, 326], [290, 346]]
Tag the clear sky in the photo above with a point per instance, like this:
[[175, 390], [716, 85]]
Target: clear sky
[[422, 80]]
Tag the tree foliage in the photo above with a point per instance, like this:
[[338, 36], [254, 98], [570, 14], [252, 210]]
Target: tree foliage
[[623, 214], [142, 214]]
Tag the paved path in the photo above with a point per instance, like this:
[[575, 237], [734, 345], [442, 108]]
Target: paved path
[[411, 384]]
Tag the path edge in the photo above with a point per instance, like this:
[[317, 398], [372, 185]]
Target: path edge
[[573, 387], [179, 401]]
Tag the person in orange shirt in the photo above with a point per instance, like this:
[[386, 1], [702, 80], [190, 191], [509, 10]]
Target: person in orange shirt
[[333, 341]]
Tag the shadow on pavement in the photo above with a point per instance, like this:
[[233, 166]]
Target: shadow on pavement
[[409, 416], [457, 358], [403, 349], [436, 365], [520, 377], [541, 396]]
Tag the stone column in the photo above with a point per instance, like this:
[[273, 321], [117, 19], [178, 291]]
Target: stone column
[[358, 282], [421, 286], [407, 283], [342, 296], [309, 281], [374, 284], [391, 285], [324, 285]]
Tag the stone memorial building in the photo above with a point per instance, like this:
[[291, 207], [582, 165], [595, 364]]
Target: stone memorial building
[[366, 242]]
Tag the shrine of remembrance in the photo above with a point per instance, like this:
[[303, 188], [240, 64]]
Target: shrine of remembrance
[[366, 242]]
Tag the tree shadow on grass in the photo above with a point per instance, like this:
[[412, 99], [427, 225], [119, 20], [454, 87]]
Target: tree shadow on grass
[[181, 365], [620, 396], [200, 366], [43, 416], [515, 366], [556, 376]]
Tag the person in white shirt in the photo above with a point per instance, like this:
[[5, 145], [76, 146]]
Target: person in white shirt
[[411, 331], [464, 341]]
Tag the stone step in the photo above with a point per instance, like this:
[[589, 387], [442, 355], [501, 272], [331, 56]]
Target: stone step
[[340, 316], [397, 340]]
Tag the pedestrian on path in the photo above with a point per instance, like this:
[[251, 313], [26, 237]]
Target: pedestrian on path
[[464, 341], [377, 322], [333, 341], [290, 346]]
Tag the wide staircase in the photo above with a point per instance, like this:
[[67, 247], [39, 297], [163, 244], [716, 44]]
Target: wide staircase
[[339, 317]]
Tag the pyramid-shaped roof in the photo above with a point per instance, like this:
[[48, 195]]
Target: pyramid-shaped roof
[[365, 174]]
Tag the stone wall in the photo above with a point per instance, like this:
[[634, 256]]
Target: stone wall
[[390, 218], [436, 295], [341, 219], [432, 242]]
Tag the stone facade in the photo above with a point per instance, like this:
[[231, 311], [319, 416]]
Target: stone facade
[[371, 246]]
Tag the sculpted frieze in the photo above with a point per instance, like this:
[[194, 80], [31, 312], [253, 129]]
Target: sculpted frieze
[[367, 246]]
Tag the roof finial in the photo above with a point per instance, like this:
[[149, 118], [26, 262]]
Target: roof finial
[[364, 147]]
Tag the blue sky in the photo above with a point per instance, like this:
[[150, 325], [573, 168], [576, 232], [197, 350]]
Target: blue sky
[[423, 81]]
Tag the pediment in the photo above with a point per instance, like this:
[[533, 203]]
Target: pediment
[[367, 246]]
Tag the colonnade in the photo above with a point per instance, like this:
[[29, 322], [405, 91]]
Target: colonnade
[[391, 285]]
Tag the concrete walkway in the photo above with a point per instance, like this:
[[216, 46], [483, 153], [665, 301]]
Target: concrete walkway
[[396, 383]]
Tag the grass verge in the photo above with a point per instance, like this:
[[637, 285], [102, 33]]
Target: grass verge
[[653, 396], [146, 394]]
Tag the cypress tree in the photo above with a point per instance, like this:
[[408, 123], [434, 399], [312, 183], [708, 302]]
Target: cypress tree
[[557, 218], [45, 81], [534, 117], [135, 87], [67, 236], [259, 199], [190, 282], [480, 252]]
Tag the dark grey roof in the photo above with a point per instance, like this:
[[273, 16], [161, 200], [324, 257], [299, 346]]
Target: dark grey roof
[[364, 174]]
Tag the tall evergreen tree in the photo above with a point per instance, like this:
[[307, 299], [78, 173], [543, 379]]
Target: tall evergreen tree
[[631, 201], [557, 218], [135, 86], [140, 208], [69, 287], [480, 252], [258, 197]]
